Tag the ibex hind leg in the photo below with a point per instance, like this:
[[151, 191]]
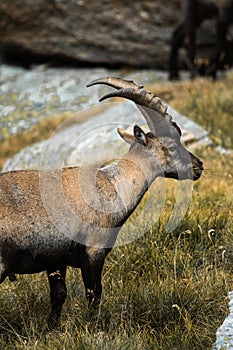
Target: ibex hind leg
[[4, 273], [7, 251]]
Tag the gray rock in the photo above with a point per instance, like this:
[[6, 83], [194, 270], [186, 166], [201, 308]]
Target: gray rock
[[28, 96], [87, 136], [95, 140], [92, 141], [224, 335], [110, 32]]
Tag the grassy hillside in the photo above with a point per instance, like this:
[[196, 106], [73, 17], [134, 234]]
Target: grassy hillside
[[163, 291]]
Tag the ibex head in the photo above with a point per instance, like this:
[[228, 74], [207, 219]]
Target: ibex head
[[163, 142]]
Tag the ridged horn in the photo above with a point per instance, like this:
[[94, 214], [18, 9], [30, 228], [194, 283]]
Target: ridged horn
[[117, 83], [136, 93], [130, 90]]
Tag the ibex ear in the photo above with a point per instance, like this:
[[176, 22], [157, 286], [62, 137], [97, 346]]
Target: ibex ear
[[126, 136], [139, 135]]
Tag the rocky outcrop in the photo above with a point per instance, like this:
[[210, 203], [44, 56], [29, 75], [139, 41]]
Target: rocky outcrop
[[87, 136], [29, 96], [42, 93], [110, 32], [95, 140], [224, 335]]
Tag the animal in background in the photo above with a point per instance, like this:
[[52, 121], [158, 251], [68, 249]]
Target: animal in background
[[194, 13]]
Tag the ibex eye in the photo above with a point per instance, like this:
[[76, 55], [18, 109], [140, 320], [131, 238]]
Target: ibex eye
[[172, 149]]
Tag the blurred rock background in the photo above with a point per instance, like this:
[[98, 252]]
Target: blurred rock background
[[112, 33], [50, 49]]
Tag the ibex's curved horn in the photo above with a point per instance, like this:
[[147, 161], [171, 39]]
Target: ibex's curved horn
[[130, 90], [117, 83], [141, 97], [158, 119]]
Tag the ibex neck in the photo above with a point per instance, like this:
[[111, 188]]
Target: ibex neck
[[131, 180]]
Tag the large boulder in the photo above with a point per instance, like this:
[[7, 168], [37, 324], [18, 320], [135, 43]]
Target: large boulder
[[110, 32]]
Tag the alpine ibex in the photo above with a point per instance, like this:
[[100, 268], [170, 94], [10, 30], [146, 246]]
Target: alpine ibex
[[53, 219], [195, 12]]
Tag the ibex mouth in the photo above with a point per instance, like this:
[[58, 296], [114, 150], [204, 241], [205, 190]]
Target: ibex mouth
[[197, 174], [197, 168]]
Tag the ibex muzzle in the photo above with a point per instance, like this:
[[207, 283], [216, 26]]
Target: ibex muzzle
[[44, 229]]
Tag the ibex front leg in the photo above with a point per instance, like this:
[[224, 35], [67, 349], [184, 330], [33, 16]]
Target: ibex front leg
[[91, 273]]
